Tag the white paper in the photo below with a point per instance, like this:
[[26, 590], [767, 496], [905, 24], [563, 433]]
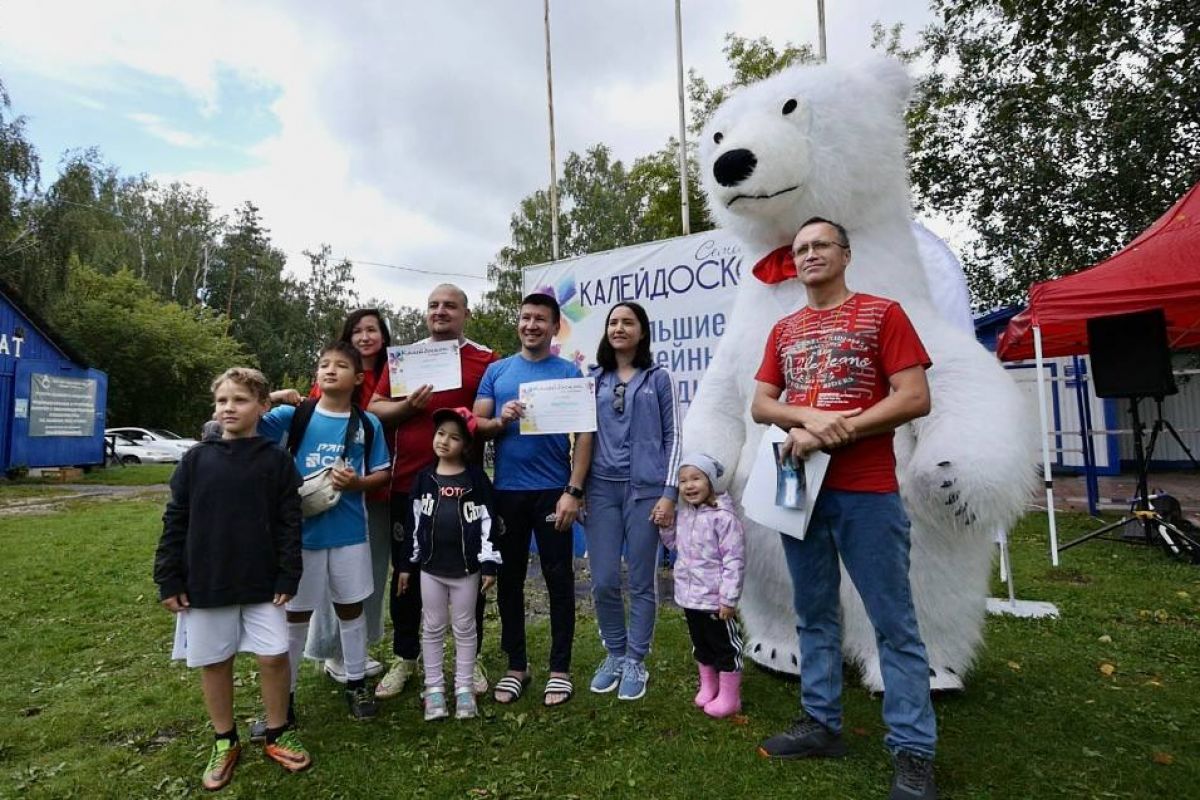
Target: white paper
[[566, 405], [435, 364], [758, 498]]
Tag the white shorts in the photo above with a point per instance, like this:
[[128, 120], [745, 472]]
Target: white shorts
[[206, 636], [340, 574]]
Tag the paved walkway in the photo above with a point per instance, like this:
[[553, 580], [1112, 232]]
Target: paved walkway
[[1116, 491]]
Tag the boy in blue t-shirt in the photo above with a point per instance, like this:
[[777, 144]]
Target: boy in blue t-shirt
[[336, 554], [539, 486]]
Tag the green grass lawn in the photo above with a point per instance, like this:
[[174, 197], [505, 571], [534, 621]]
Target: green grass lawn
[[132, 475], [91, 706]]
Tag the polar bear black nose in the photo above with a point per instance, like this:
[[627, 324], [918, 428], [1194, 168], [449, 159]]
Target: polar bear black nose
[[734, 167]]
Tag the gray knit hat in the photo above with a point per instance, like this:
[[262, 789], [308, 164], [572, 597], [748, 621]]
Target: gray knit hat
[[706, 464]]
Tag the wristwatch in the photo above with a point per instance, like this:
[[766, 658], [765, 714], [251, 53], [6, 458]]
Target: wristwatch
[[574, 491]]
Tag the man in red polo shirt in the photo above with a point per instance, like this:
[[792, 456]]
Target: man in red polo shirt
[[446, 317], [851, 370]]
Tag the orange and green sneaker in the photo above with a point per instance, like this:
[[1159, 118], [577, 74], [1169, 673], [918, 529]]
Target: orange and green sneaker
[[221, 761], [289, 752]]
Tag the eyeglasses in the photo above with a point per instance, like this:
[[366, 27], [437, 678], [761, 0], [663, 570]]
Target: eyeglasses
[[619, 398], [820, 247]]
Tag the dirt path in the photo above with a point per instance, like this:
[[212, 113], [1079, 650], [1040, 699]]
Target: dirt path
[[62, 493]]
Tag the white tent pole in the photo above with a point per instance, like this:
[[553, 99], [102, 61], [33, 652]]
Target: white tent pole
[[1046, 477]]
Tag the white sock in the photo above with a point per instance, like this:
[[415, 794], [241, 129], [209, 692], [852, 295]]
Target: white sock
[[354, 646], [297, 635]]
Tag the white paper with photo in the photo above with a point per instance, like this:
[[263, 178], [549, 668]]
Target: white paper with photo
[[435, 364], [758, 499], [565, 405]]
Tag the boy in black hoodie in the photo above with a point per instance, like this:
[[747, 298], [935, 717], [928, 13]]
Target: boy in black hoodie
[[228, 560]]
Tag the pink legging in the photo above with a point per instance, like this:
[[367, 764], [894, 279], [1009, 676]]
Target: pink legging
[[438, 597]]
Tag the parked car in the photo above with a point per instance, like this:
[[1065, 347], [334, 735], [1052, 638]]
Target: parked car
[[130, 452], [156, 438]]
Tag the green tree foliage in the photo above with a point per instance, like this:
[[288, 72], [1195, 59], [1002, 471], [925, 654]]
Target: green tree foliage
[[19, 172], [656, 180], [329, 295], [407, 324], [1055, 131], [602, 206], [750, 60], [159, 356], [171, 233]]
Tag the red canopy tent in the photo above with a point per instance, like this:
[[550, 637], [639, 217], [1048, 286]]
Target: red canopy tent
[[1159, 269]]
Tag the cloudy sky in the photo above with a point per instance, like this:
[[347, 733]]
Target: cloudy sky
[[399, 132]]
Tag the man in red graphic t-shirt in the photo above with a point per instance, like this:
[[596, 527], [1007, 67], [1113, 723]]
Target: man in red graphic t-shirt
[[850, 369], [446, 317]]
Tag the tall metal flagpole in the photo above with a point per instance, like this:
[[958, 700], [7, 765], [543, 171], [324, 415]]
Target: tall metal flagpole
[[684, 210], [553, 168], [821, 52]]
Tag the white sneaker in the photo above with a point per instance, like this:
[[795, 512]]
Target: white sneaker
[[397, 677], [479, 680], [335, 669]]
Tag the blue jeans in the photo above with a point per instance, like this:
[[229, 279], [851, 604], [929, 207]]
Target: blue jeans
[[617, 521], [871, 534]]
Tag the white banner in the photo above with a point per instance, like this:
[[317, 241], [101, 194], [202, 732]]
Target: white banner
[[686, 285]]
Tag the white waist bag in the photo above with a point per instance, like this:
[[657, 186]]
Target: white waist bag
[[317, 493]]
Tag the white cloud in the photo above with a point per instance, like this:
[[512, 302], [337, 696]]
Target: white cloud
[[407, 131], [157, 127]]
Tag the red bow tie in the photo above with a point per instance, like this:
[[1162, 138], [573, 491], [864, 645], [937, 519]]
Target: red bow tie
[[776, 266]]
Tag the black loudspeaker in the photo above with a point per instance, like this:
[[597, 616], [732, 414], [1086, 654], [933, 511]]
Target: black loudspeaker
[[1130, 355]]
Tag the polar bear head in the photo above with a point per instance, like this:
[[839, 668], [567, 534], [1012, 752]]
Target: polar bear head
[[809, 141]]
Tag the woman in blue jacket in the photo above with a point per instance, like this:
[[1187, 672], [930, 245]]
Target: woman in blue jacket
[[631, 492]]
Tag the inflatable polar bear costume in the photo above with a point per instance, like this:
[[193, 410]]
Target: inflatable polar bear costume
[[830, 141]]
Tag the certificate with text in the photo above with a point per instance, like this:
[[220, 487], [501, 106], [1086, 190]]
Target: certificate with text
[[783, 508], [435, 364], [567, 405]]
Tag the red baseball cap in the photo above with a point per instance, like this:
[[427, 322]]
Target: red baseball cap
[[462, 414]]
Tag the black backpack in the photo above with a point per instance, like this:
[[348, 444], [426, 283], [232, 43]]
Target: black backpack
[[303, 416]]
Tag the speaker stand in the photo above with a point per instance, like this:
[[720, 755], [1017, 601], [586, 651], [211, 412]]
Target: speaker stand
[[1155, 529], [1160, 422]]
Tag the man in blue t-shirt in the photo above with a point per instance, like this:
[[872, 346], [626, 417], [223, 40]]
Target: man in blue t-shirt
[[337, 557], [539, 487]]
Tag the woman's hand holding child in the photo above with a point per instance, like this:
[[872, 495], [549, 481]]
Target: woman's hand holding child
[[663, 513]]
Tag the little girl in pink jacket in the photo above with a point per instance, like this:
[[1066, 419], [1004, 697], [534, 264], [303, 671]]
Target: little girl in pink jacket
[[710, 563]]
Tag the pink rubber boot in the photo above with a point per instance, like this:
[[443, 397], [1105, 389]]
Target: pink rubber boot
[[729, 699], [708, 685]]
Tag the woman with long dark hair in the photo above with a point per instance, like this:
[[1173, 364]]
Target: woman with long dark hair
[[631, 492]]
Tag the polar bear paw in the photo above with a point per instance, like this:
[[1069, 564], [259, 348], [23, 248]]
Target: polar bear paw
[[942, 680], [940, 496], [951, 495]]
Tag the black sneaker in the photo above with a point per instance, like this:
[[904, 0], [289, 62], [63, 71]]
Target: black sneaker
[[807, 738], [362, 703], [913, 778]]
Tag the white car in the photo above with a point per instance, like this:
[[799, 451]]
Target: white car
[[129, 452], [156, 439]]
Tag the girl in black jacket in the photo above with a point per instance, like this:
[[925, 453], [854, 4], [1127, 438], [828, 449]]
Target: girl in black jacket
[[452, 544]]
